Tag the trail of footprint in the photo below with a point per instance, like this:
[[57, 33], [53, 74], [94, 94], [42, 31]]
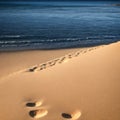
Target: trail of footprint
[[44, 65], [53, 62]]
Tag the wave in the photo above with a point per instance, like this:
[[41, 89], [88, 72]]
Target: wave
[[57, 43], [37, 38], [10, 36]]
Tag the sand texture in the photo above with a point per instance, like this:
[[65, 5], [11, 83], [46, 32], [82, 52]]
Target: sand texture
[[73, 84]]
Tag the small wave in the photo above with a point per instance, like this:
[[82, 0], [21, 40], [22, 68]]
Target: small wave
[[101, 37], [31, 39], [107, 36], [57, 43], [16, 36], [13, 42], [10, 36]]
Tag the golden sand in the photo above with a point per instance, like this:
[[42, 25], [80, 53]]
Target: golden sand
[[76, 84]]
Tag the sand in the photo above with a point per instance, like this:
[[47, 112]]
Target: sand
[[72, 84]]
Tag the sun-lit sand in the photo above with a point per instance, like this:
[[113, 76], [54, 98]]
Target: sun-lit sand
[[71, 84]]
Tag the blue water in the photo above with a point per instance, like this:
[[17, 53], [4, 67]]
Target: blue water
[[55, 25]]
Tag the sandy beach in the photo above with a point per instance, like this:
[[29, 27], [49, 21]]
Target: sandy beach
[[73, 84]]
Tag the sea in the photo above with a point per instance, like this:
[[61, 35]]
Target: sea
[[58, 25]]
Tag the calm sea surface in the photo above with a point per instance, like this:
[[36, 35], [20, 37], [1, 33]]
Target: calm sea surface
[[55, 25]]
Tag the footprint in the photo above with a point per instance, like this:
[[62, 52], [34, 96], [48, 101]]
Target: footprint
[[85, 51], [34, 104], [77, 54], [43, 66], [66, 115], [70, 56], [73, 116], [52, 63], [62, 59], [38, 113], [32, 69], [90, 49]]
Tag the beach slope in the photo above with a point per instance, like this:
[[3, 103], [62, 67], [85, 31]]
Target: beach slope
[[75, 84]]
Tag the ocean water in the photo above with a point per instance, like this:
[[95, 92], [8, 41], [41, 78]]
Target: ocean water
[[56, 25]]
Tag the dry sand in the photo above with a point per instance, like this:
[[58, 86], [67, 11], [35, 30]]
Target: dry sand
[[73, 84]]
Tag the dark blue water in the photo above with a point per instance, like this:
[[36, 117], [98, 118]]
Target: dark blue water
[[55, 25]]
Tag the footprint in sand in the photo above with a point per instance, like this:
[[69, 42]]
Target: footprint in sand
[[66, 115], [72, 116], [77, 54], [52, 63], [43, 66], [34, 104], [33, 69], [85, 51], [70, 56], [61, 59], [38, 113]]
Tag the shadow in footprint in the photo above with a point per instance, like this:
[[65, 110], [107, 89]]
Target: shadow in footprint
[[38, 113], [30, 104], [43, 66], [74, 115], [66, 115], [34, 104], [32, 113], [32, 69]]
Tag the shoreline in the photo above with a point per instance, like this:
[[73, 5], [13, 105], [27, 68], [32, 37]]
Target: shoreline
[[59, 48]]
